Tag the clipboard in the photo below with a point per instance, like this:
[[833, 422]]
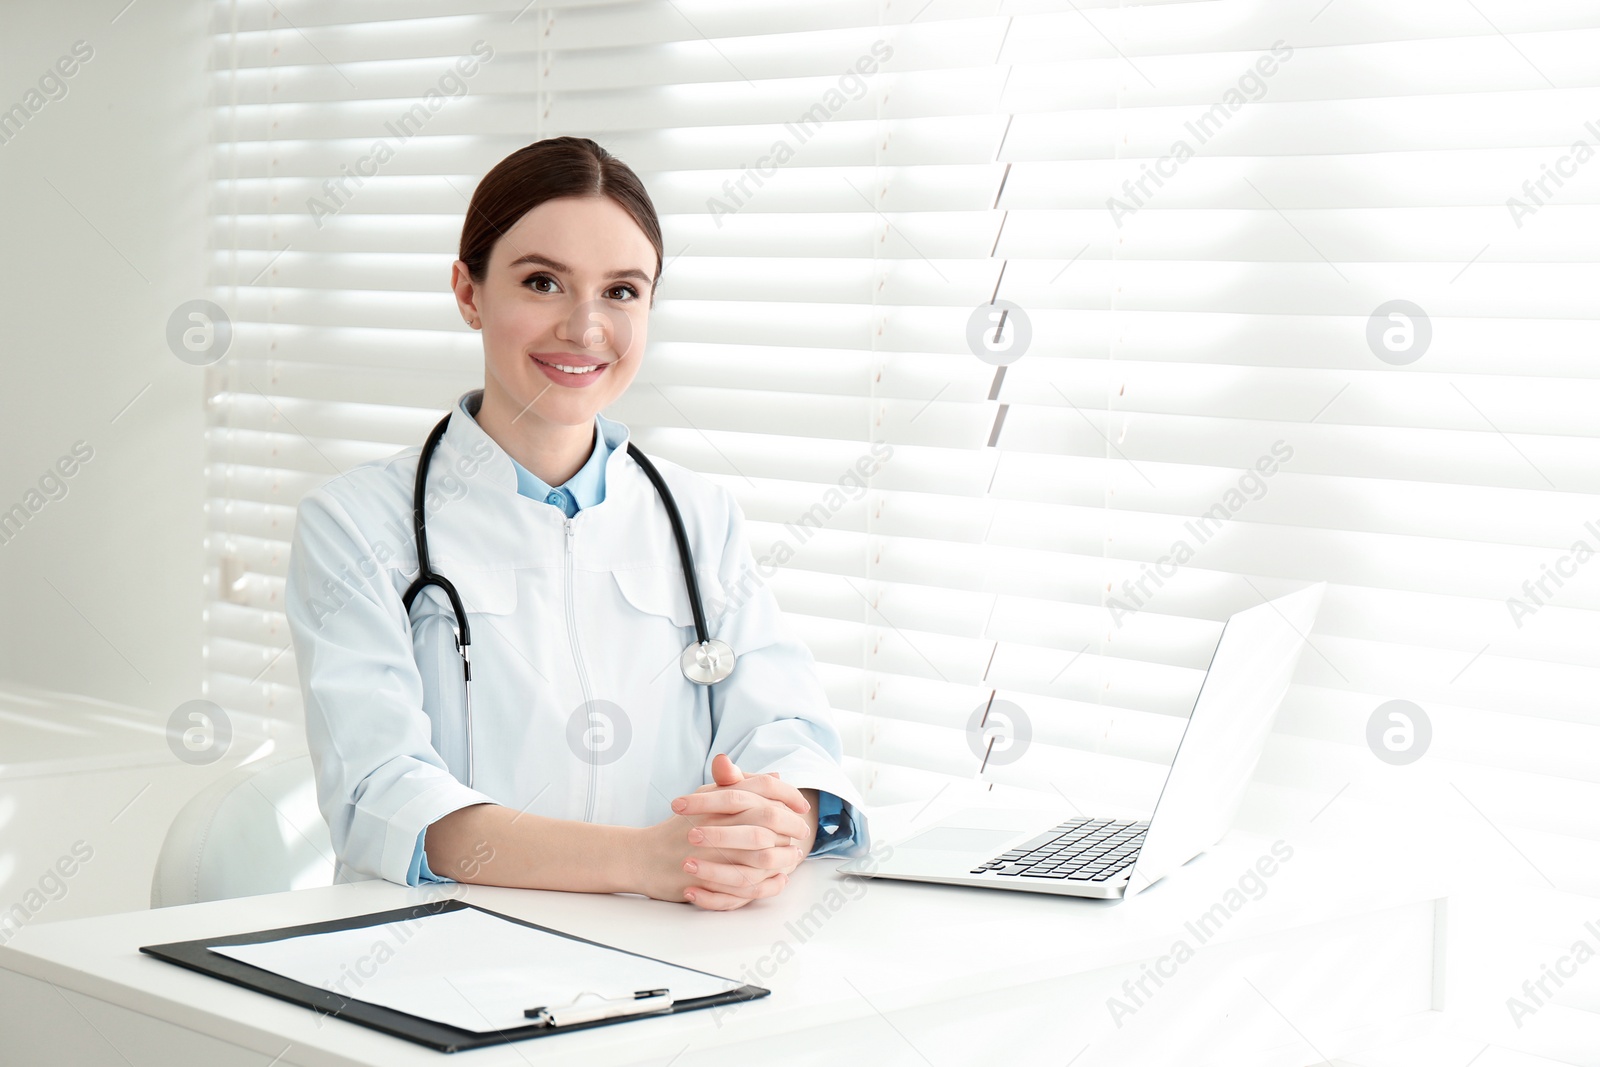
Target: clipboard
[[443, 1037]]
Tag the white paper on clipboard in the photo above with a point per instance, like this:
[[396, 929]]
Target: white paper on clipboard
[[467, 968]]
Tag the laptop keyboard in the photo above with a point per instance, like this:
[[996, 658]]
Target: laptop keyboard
[[1079, 850]]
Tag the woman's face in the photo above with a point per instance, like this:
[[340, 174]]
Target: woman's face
[[569, 284]]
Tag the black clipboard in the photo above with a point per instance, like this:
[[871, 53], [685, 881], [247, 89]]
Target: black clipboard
[[196, 956]]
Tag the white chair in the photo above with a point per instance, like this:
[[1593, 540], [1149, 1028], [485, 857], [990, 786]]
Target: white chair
[[255, 830]]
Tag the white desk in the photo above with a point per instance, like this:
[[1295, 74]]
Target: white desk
[[1325, 962]]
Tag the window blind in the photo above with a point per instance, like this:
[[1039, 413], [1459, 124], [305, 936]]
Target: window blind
[[1202, 216]]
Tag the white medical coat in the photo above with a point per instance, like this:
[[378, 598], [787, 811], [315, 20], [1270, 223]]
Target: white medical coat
[[579, 707]]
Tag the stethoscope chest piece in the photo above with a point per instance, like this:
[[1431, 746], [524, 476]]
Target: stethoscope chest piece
[[707, 662]]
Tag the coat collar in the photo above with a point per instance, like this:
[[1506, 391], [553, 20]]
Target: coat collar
[[465, 439]]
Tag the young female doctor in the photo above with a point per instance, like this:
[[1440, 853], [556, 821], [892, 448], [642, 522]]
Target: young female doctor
[[615, 735]]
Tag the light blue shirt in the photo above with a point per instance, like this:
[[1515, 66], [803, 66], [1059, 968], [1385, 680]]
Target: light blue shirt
[[835, 827]]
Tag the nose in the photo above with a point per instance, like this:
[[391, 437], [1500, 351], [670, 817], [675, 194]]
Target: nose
[[589, 325]]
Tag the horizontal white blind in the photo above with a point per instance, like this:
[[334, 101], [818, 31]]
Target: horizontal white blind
[[1437, 153], [1373, 157], [1316, 160]]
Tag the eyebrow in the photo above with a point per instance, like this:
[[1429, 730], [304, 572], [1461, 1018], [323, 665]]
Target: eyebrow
[[534, 257]]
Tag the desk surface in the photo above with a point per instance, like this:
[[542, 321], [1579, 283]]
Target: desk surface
[[831, 948]]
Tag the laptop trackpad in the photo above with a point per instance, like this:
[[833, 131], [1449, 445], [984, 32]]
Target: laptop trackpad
[[959, 839]]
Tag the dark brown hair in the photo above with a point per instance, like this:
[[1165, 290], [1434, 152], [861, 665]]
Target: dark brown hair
[[547, 169]]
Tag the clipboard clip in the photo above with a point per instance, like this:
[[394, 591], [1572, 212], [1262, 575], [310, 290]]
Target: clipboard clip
[[640, 1002]]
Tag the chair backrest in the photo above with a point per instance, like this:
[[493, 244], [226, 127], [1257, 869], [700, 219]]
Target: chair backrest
[[255, 830]]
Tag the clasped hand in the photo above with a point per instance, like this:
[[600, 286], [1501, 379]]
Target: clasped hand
[[732, 841]]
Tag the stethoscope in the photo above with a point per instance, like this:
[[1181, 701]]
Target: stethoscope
[[707, 661]]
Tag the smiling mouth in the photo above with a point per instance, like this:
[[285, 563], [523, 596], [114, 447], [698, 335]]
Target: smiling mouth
[[575, 371]]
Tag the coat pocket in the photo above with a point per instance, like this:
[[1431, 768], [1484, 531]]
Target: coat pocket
[[660, 590]]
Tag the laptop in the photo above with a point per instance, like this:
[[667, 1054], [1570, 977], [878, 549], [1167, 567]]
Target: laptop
[[1108, 858]]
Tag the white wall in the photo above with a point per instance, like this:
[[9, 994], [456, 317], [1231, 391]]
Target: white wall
[[103, 235]]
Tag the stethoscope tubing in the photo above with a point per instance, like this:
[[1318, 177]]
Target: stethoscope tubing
[[705, 662]]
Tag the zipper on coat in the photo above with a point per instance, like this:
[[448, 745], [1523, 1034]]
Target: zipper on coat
[[583, 679]]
